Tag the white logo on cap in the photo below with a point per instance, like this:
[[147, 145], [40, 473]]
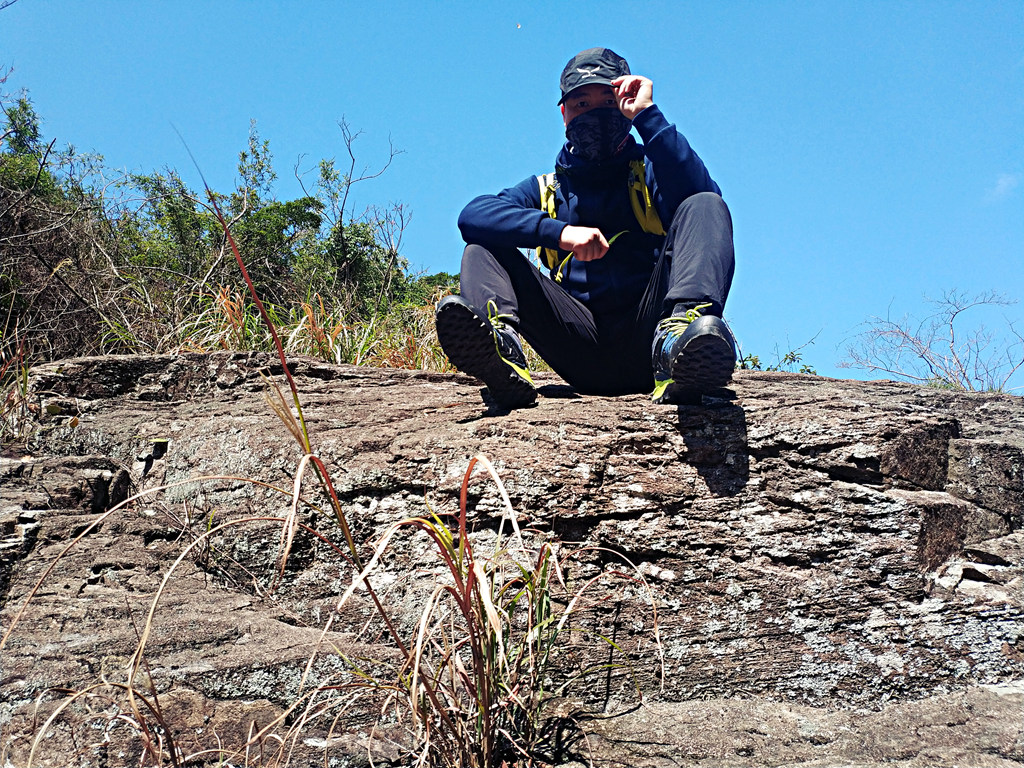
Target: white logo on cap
[[587, 72]]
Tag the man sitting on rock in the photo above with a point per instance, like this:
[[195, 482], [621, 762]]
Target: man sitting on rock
[[628, 305]]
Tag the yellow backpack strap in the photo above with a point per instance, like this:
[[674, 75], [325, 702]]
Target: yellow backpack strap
[[640, 197], [547, 184]]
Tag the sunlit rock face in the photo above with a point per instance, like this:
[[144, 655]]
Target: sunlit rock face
[[797, 571]]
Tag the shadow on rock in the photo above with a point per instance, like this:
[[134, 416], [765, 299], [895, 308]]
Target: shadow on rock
[[492, 408], [558, 392], [715, 434]]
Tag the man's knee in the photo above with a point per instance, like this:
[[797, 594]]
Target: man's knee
[[474, 254], [703, 205], [488, 257]]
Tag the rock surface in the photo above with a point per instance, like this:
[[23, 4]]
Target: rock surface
[[837, 567]]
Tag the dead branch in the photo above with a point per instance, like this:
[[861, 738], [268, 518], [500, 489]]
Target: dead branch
[[939, 350]]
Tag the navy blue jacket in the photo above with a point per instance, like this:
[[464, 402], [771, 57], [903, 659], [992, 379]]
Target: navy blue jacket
[[597, 195]]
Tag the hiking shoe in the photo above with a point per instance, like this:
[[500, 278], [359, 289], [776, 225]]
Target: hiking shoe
[[691, 354], [486, 348]]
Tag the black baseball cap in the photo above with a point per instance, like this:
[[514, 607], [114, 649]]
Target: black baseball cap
[[594, 65]]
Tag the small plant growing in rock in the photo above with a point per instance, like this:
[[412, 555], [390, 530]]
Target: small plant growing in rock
[[475, 677], [468, 684], [15, 407], [791, 361]]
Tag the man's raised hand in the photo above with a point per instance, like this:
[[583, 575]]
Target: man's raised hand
[[633, 93]]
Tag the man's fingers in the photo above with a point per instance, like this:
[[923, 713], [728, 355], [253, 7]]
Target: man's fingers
[[627, 85], [594, 248], [634, 94], [585, 243]]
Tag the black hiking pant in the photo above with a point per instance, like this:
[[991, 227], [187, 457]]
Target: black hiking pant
[[608, 353]]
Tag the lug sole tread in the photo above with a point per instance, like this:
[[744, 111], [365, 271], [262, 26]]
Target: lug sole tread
[[469, 345], [705, 364]]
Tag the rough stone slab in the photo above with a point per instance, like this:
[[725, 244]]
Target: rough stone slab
[[810, 546], [991, 474]]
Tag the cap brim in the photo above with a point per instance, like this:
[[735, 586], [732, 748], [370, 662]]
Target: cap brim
[[595, 81]]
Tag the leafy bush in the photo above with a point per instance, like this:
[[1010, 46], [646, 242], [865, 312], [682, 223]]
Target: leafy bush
[[97, 262]]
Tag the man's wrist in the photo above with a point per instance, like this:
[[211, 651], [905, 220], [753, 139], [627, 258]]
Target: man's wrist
[[649, 121], [551, 232]]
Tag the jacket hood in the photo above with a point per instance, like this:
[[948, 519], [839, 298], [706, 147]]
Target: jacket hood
[[574, 165]]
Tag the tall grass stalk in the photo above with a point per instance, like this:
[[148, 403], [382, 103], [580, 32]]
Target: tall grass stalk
[[463, 688], [471, 681], [401, 337], [15, 403]]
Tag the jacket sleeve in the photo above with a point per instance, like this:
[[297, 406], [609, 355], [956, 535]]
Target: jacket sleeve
[[512, 218], [677, 170]]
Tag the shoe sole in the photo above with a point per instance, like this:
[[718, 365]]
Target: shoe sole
[[469, 344], [706, 363]]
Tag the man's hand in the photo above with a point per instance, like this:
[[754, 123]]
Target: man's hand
[[633, 93], [585, 243]]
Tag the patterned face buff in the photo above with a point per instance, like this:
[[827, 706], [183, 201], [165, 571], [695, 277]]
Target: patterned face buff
[[598, 134]]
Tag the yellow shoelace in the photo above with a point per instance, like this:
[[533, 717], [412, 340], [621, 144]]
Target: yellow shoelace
[[679, 323]]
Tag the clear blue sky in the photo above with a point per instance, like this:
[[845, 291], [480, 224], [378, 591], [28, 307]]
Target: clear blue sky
[[872, 153]]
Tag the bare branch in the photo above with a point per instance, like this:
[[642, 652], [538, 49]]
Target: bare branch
[[365, 174], [938, 349], [298, 175]]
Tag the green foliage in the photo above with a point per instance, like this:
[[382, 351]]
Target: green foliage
[[139, 262], [256, 174], [23, 162], [278, 234], [790, 361], [170, 230], [425, 286], [52, 232], [28, 173], [21, 130]]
